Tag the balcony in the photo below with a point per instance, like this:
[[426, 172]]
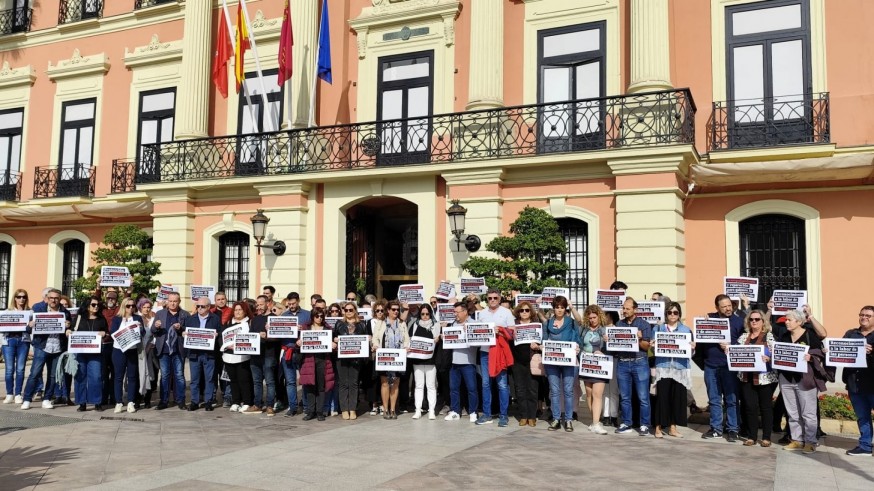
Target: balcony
[[646, 119], [144, 4], [77, 10], [769, 122], [15, 20], [63, 182], [10, 186]]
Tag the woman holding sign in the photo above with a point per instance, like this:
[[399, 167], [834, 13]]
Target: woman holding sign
[[424, 370], [592, 341], [237, 366], [757, 389], [89, 375], [316, 371], [526, 384], [124, 354], [561, 327], [392, 335], [673, 377], [348, 368], [15, 348]]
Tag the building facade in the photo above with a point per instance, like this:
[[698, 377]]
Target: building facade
[[676, 141]]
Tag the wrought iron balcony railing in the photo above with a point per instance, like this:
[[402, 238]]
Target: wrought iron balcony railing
[[654, 118], [15, 20], [10, 185], [76, 10], [768, 122], [144, 4], [63, 182], [124, 173]]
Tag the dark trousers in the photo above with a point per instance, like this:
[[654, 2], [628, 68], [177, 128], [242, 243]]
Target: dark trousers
[[315, 394], [369, 384], [442, 388], [757, 402], [125, 364], [108, 374], [348, 374], [670, 407], [526, 391], [242, 391]]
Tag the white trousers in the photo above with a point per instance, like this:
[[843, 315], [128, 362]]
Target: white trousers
[[425, 376]]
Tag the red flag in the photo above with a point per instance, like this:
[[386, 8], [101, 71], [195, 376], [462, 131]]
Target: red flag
[[240, 46], [286, 41], [223, 52]]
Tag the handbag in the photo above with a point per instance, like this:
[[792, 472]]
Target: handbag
[[536, 365]]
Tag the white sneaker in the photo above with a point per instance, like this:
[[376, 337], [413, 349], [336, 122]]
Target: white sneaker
[[19, 399], [119, 408], [9, 399], [333, 413], [235, 408], [243, 408], [431, 415], [598, 429], [131, 407], [47, 404], [417, 414], [25, 405], [452, 416], [473, 418]]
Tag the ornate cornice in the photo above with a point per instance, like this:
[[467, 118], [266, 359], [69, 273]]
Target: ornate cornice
[[12, 77], [78, 65], [397, 14], [154, 52]]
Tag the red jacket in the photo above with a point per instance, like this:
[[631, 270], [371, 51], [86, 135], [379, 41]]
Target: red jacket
[[500, 355]]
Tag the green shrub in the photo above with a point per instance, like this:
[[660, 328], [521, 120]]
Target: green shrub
[[836, 406]]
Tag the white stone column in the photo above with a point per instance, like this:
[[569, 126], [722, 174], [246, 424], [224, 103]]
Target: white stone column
[[305, 16], [650, 46], [192, 102], [486, 85], [286, 206], [173, 235]]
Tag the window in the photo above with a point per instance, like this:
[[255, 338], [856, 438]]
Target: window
[[11, 123], [772, 249], [5, 270], [77, 139], [74, 260], [157, 111], [571, 68], [17, 18], [252, 150], [769, 75], [150, 244], [576, 238], [405, 93], [234, 265]]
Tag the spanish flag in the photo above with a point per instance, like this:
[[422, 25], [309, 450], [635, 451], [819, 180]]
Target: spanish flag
[[241, 44]]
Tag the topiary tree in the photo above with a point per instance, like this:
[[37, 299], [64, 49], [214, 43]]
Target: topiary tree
[[530, 258], [123, 245]]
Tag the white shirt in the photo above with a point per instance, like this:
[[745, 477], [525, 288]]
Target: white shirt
[[501, 316]]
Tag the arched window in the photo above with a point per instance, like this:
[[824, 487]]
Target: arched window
[[576, 237], [5, 269], [772, 249], [74, 264], [233, 277]]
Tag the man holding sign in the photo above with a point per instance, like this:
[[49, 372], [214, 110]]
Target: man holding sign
[[502, 318], [46, 350], [202, 361], [167, 332], [463, 368], [860, 382], [632, 371], [720, 382]]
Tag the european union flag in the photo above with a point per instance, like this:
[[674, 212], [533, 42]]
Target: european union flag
[[324, 61]]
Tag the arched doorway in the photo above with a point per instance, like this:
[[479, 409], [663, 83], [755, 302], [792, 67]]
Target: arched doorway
[[382, 246]]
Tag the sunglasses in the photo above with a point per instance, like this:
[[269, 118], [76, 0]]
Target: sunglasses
[[348, 310], [494, 298], [673, 312], [379, 311], [755, 319], [20, 296], [425, 313], [524, 310], [394, 309], [350, 299], [94, 305], [129, 306], [203, 306]]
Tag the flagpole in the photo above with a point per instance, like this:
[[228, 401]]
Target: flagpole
[[258, 68], [312, 115], [245, 92]]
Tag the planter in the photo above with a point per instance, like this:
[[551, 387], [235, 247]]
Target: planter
[[838, 426]]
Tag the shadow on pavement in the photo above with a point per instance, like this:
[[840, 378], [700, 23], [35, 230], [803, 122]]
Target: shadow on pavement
[[24, 467]]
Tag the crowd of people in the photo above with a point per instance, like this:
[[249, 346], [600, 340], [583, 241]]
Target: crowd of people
[[647, 394]]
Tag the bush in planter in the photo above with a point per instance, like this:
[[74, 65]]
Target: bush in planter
[[836, 406]]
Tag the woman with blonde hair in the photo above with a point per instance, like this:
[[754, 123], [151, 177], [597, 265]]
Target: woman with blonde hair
[[757, 389], [15, 348], [392, 334], [592, 341], [348, 368]]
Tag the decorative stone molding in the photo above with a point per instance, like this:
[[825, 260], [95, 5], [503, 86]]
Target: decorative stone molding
[[12, 77], [266, 29], [154, 52], [391, 15], [78, 65]]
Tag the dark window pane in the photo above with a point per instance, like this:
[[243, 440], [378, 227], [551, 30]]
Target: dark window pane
[[576, 238], [74, 260], [772, 249], [234, 265], [5, 267]]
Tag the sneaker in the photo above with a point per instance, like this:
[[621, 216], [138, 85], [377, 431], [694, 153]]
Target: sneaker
[[25, 405], [623, 429], [554, 425], [452, 416], [793, 445], [131, 407], [431, 415], [484, 420], [270, 411], [334, 413], [643, 430], [9, 399], [251, 410], [858, 451], [569, 426], [473, 418], [47, 404], [417, 414], [374, 411], [19, 399], [235, 408], [503, 421], [256, 409], [731, 436], [598, 429], [711, 433], [291, 412], [809, 448], [118, 408]]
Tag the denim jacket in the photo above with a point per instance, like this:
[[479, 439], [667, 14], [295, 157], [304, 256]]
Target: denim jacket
[[672, 362]]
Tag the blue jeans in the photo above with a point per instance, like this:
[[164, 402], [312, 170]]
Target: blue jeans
[[503, 387], [205, 364], [89, 379], [561, 385], [456, 374], [721, 383], [290, 383], [125, 362], [264, 370], [863, 404], [172, 363], [15, 357], [633, 375], [41, 360]]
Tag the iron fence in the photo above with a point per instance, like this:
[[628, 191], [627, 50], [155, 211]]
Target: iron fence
[[76, 10], [144, 4], [15, 20], [55, 182], [772, 121], [10, 185]]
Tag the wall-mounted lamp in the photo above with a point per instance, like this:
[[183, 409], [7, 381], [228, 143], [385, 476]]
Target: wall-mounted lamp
[[457, 214], [259, 230]]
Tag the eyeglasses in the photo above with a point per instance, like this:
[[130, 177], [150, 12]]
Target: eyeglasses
[[348, 310], [379, 311], [424, 312], [94, 304], [673, 312], [867, 316], [54, 298], [203, 306], [108, 298], [494, 298], [20, 296], [524, 310], [755, 319], [129, 306]]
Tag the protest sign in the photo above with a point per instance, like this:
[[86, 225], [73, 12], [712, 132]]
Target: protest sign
[[673, 344], [228, 335], [127, 336], [14, 321], [391, 360], [200, 339], [596, 366], [118, 276], [446, 313], [622, 339], [786, 300], [561, 353], [85, 342], [165, 291], [652, 312], [318, 341], [610, 300], [198, 291], [473, 285], [365, 314], [712, 330], [421, 348], [73, 311], [330, 322], [789, 357], [736, 286], [845, 352], [481, 334], [247, 343], [445, 291], [529, 333], [746, 358], [49, 323], [532, 298], [282, 327], [548, 295], [411, 294], [455, 337], [353, 346]]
